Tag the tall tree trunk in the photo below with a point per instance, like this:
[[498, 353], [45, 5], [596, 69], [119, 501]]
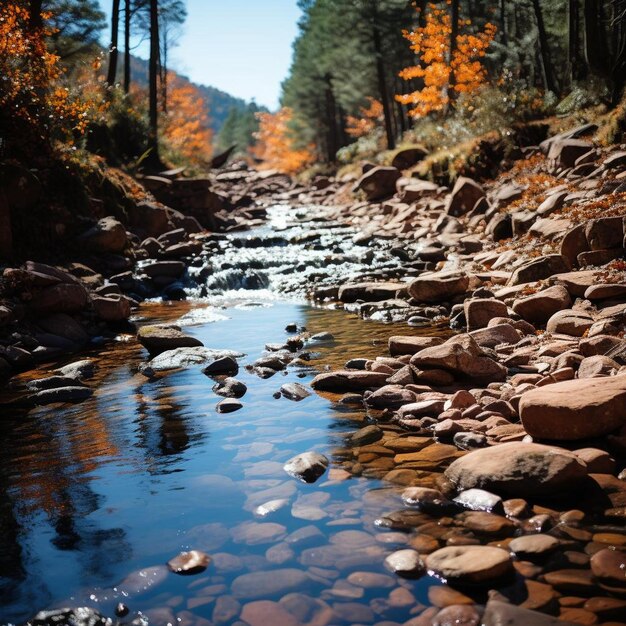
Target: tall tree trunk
[[164, 72], [503, 29], [454, 35], [153, 68], [595, 37], [35, 21], [332, 144], [113, 49], [127, 17], [381, 79], [546, 65], [574, 57]]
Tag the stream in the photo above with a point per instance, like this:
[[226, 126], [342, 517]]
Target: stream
[[98, 496]]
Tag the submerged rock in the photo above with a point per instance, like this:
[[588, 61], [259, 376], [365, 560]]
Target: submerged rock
[[294, 391], [406, 563], [470, 564], [230, 388], [349, 380], [307, 467], [184, 357]]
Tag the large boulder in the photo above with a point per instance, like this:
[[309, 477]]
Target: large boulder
[[540, 268], [62, 298], [575, 409], [408, 157], [463, 357], [480, 311], [438, 287], [518, 469], [157, 339], [569, 322], [379, 182], [108, 235], [541, 306], [465, 195], [605, 233], [564, 152]]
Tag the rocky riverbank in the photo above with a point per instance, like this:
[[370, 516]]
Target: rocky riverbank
[[507, 438]]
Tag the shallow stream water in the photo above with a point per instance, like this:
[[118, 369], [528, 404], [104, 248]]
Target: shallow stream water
[[98, 496]]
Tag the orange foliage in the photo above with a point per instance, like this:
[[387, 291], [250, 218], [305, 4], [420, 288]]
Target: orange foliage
[[186, 126], [30, 77], [275, 145], [371, 117], [431, 43]]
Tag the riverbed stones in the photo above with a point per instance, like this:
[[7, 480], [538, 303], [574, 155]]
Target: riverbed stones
[[307, 467], [576, 409], [186, 357], [405, 563], [230, 388], [61, 394], [228, 405], [466, 193], [532, 546], [294, 391], [480, 311], [569, 322], [401, 344], [463, 357], [479, 500], [609, 567], [107, 235], [439, 287], [518, 469], [379, 182], [539, 269], [156, 338], [349, 380], [262, 585], [541, 306], [500, 613], [191, 562], [469, 564]]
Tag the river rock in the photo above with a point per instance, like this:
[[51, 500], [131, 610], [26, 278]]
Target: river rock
[[462, 356], [108, 235], [425, 499], [400, 344], [82, 616], [307, 467], [406, 563], [390, 397], [530, 546], [479, 500], [499, 613], [349, 380], [230, 388], [61, 394], [184, 357], [113, 308], [470, 564], [575, 409], [538, 269], [541, 306], [379, 182], [480, 311], [263, 584], [221, 365], [80, 370], [228, 405], [62, 298], [518, 469], [157, 339], [569, 322], [438, 287], [609, 566], [191, 562], [366, 435], [294, 391], [464, 197]]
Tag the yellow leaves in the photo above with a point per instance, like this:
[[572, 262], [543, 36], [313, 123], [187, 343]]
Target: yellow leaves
[[431, 43], [371, 117], [275, 145]]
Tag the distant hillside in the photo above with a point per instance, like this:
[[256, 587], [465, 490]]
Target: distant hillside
[[219, 102]]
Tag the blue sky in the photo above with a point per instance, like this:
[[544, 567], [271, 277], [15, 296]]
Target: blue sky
[[240, 46]]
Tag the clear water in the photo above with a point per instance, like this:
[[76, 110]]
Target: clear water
[[98, 496]]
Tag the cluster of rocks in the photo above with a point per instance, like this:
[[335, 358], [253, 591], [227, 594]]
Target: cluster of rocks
[[47, 311]]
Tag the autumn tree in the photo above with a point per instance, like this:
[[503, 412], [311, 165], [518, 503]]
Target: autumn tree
[[369, 119], [275, 144], [186, 125], [448, 65]]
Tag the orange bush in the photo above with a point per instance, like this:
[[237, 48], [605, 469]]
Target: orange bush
[[275, 146], [431, 43], [371, 117]]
